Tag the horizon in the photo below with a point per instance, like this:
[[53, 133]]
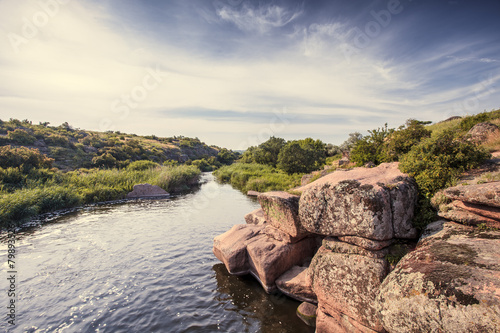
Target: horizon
[[234, 72]]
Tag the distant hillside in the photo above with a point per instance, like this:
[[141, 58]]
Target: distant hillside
[[73, 148]]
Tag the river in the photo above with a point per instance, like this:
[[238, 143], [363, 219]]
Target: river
[[140, 266]]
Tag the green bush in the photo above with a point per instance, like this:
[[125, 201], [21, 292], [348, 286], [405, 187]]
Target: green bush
[[468, 122], [142, 165], [21, 136], [256, 177], [436, 162], [401, 141]]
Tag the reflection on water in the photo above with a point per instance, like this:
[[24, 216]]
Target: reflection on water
[[144, 266], [259, 311]]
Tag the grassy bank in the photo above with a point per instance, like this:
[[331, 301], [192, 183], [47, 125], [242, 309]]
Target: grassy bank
[[57, 190], [256, 177]]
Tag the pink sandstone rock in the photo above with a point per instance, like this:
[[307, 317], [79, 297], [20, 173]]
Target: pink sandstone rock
[[471, 214], [348, 282], [450, 283], [147, 190], [253, 193], [487, 194], [376, 203], [294, 284], [281, 211], [270, 258], [365, 243], [307, 313], [256, 217], [231, 247], [338, 323], [279, 235]]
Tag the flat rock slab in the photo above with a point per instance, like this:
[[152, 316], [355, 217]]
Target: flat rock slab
[[487, 194], [147, 191], [450, 283], [256, 217], [281, 211], [471, 214], [231, 247], [270, 258], [348, 284], [375, 203], [294, 284]]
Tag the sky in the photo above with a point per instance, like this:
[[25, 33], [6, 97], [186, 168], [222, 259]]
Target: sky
[[235, 72]]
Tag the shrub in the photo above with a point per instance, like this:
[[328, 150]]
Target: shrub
[[436, 162], [401, 141], [142, 165], [21, 136], [24, 158]]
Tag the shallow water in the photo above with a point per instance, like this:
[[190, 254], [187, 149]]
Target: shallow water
[[141, 266]]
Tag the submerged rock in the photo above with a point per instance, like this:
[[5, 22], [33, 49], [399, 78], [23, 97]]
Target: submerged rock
[[450, 283], [307, 313], [376, 203]]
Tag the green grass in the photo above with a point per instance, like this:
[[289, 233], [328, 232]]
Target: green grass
[[257, 177], [86, 186]]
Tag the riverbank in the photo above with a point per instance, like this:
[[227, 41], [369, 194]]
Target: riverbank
[[48, 190]]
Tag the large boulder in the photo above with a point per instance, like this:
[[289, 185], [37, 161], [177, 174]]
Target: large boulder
[[376, 203], [270, 258], [294, 284], [483, 132], [147, 190], [450, 283], [346, 280], [338, 323], [281, 211], [231, 247]]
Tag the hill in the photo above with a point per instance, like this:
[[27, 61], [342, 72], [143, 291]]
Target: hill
[[73, 148]]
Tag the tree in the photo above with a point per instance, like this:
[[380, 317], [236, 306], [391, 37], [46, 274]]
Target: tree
[[302, 156], [267, 152]]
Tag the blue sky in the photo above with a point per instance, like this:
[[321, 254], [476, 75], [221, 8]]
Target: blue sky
[[234, 72]]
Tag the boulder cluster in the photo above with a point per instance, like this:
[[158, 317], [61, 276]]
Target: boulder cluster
[[331, 247]]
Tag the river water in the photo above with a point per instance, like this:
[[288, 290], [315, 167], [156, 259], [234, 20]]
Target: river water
[[140, 266]]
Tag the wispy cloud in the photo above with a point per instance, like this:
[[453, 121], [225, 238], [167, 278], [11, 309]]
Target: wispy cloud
[[259, 19]]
